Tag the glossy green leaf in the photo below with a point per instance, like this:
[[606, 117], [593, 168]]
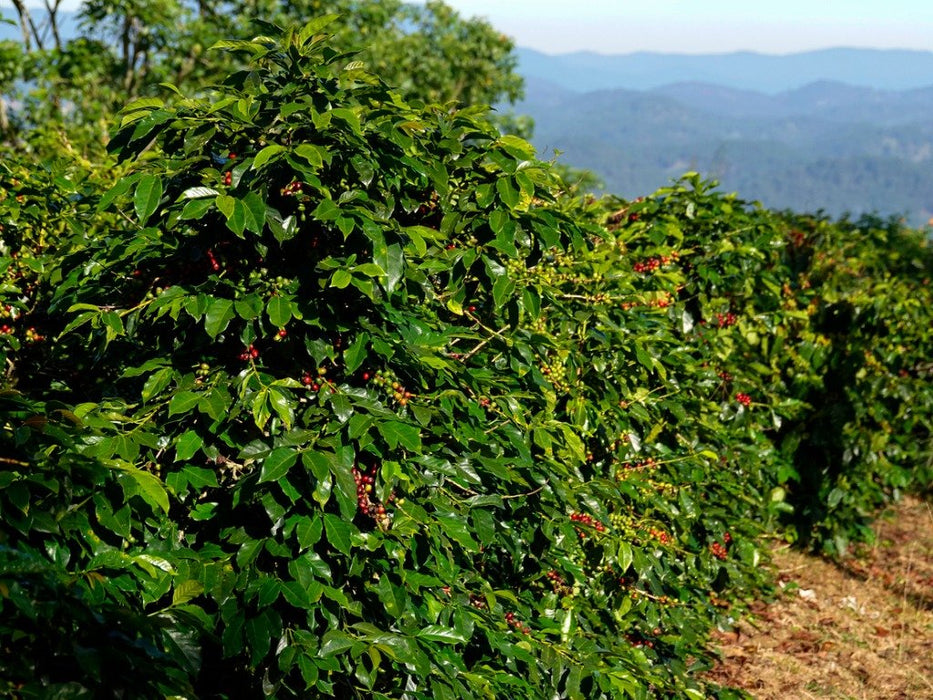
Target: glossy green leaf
[[147, 197], [277, 464], [337, 531]]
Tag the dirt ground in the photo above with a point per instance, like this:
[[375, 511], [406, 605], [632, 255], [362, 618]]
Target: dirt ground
[[858, 630]]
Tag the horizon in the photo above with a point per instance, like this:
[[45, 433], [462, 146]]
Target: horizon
[[751, 52]]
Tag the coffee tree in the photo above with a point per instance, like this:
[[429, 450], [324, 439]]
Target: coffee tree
[[334, 393]]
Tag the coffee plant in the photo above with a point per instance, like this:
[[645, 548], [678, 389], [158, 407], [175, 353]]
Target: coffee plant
[[319, 392]]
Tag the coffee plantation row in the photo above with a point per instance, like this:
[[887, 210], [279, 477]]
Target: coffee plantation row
[[317, 392]]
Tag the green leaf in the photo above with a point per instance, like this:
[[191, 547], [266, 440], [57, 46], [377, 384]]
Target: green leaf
[[265, 155], [219, 314], [508, 193], [182, 402], [248, 307], [283, 407], [279, 310], [498, 220], [156, 382], [277, 464], [254, 212], [342, 408], [338, 532], [309, 30], [354, 355], [310, 153], [185, 591], [395, 433], [261, 413], [148, 486], [439, 633], [502, 290], [326, 210], [341, 279], [225, 204], [198, 193], [187, 445], [195, 209], [147, 197], [516, 147]]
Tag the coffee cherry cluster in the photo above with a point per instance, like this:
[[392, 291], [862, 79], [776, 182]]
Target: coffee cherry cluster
[[364, 488], [650, 265], [661, 301], [31, 336], [292, 189], [718, 550], [558, 583], [647, 463], [547, 273], [797, 238], [743, 399], [315, 380], [725, 376], [388, 382], [727, 319], [516, 623], [637, 641], [250, 353], [660, 535], [587, 520], [556, 373]]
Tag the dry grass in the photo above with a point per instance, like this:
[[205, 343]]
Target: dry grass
[[858, 630]]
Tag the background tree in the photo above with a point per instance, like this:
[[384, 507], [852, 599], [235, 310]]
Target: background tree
[[124, 50]]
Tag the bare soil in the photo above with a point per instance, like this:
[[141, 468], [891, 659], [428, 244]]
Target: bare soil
[[859, 629]]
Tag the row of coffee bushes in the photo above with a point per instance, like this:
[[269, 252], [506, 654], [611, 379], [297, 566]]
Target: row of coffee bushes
[[334, 394]]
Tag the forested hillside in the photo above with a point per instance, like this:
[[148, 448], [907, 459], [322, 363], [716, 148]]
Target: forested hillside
[[825, 146], [317, 384]]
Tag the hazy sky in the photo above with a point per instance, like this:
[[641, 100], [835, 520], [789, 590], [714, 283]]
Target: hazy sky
[[699, 26], [708, 26]]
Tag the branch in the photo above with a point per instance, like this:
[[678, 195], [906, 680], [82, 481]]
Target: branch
[[25, 24], [52, 8]]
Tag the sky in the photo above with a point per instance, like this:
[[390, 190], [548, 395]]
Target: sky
[[698, 26], [707, 26]]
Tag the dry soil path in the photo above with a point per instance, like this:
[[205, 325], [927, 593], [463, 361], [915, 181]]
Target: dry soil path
[[861, 629]]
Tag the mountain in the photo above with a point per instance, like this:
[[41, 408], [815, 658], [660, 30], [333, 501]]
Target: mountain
[[891, 69], [829, 100], [826, 145]]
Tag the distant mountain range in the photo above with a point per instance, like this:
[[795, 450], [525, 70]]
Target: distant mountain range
[[824, 144], [584, 71]]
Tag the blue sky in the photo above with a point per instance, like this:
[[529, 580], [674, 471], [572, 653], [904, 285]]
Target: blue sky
[[708, 26], [699, 26]]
